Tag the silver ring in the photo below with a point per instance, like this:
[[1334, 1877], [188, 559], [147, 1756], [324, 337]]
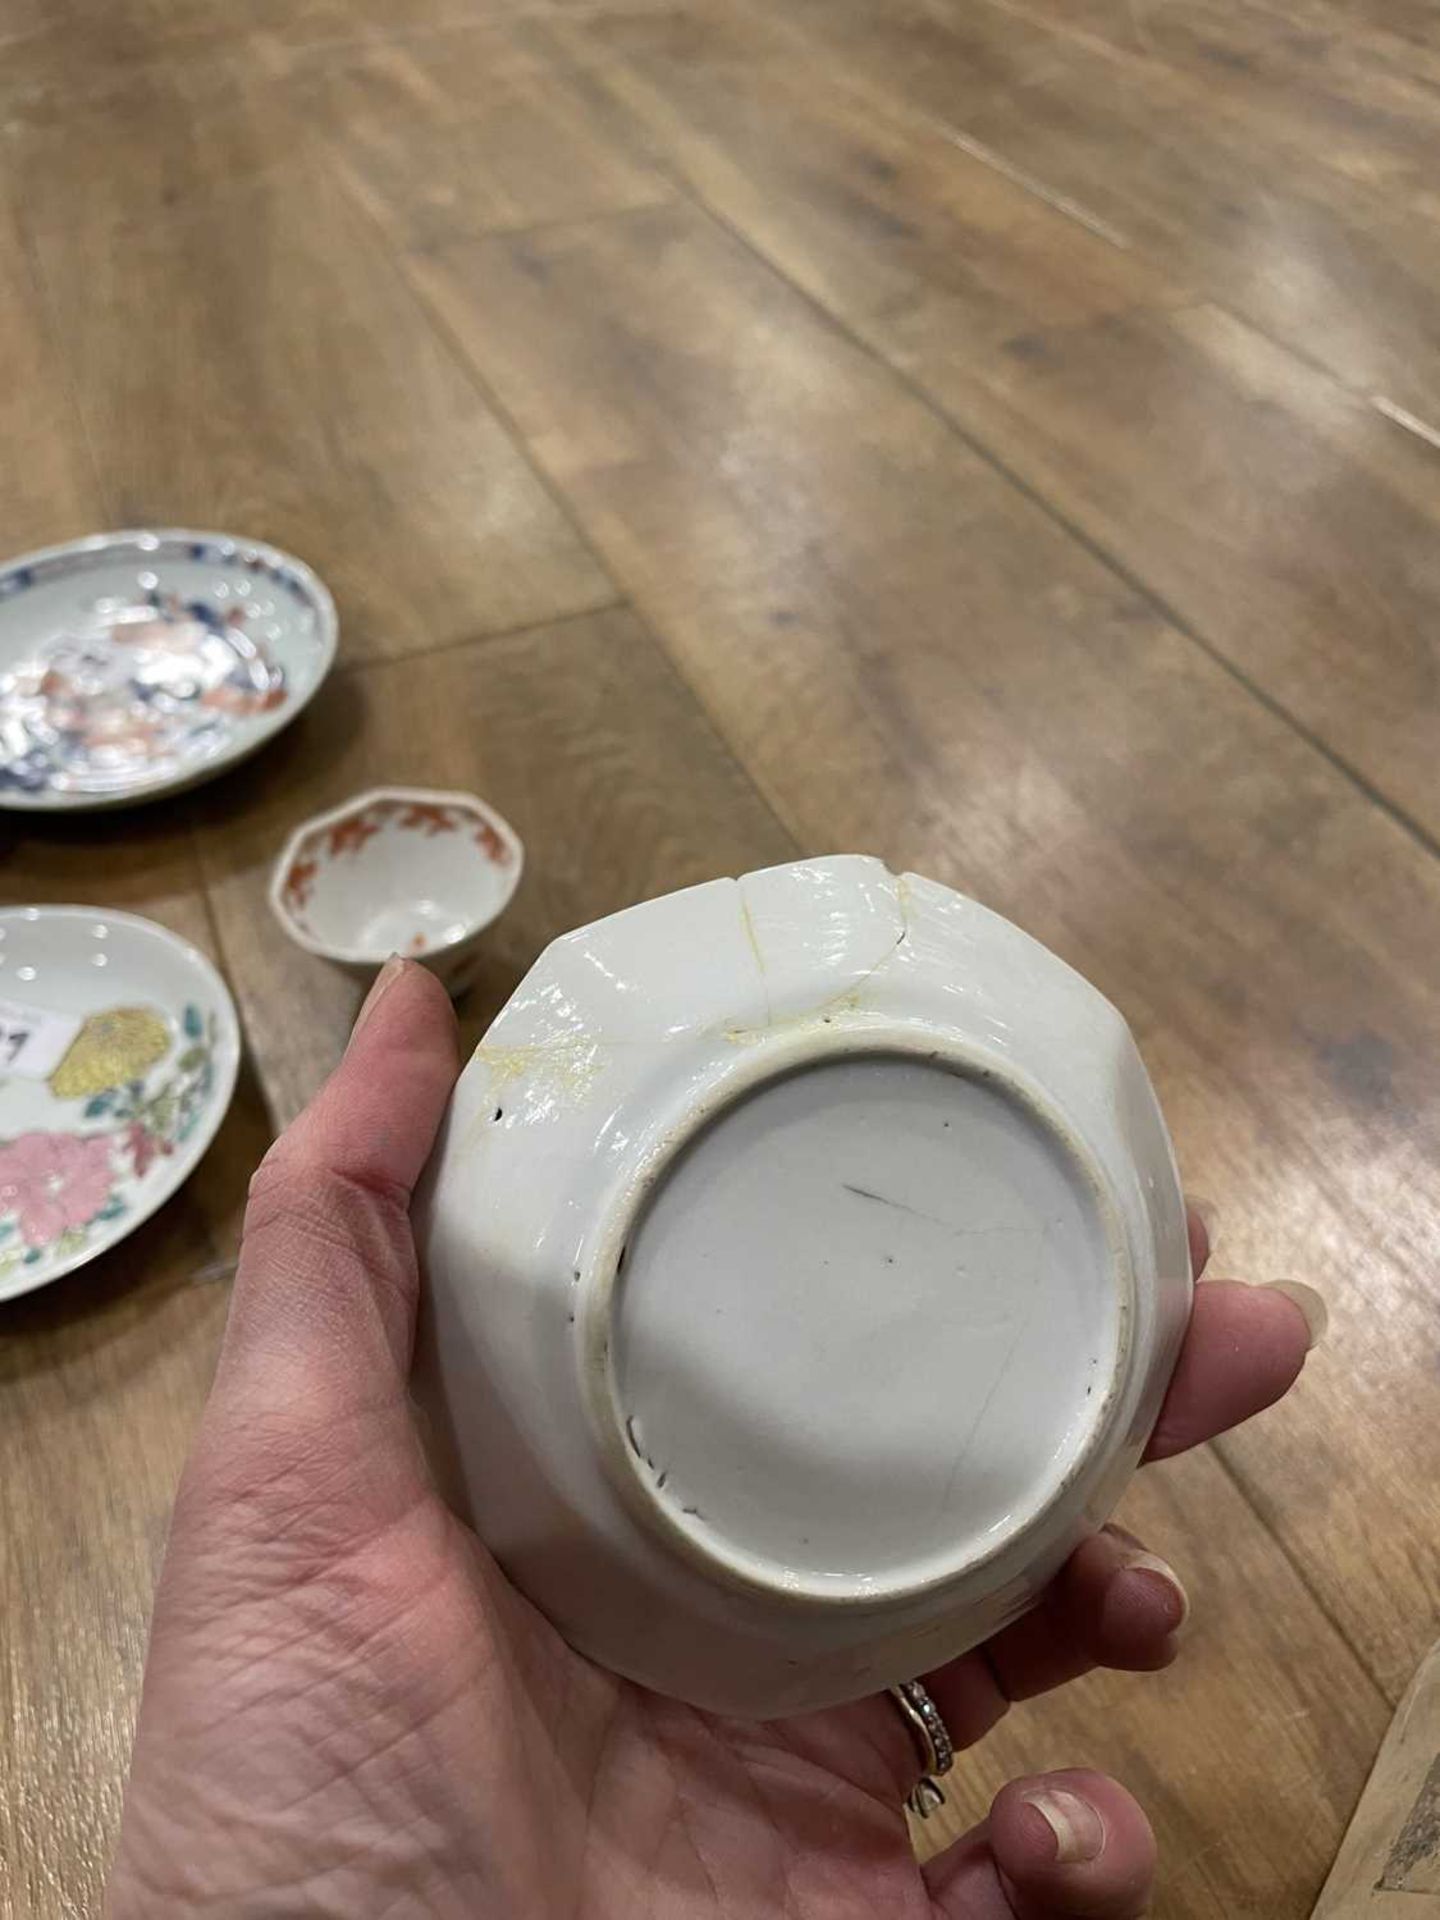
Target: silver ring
[[933, 1742]]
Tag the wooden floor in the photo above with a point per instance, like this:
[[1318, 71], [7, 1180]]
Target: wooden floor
[[1002, 435]]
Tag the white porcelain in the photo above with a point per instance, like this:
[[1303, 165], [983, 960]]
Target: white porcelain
[[398, 870], [119, 1048], [805, 1263], [135, 664]]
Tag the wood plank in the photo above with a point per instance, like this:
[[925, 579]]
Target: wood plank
[[19, 20], [915, 660], [1327, 265], [276, 26], [179, 133], [64, 51], [47, 485], [1312, 89], [443, 136], [49, 44], [1286, 522], [102, 1376], [1253, 1765], [259, 366], [880, 216], [63, 43], [1289, 524], [580, 734], [1402, 32]]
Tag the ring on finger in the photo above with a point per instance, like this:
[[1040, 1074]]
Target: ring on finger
[[932, 1742]]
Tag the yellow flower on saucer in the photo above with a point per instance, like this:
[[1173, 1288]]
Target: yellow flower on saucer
[[111, 1048]]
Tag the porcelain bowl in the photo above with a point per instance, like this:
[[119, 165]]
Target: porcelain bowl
[[398, 870], [805, 1264]]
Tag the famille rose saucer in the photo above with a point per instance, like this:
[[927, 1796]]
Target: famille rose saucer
[[133, 664], [119, 1048]]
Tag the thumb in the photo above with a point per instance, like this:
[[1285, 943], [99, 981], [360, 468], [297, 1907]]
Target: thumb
[[1060, 1846], [323, 1311]]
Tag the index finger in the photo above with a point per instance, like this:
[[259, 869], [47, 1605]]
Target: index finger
[[325, 1294]]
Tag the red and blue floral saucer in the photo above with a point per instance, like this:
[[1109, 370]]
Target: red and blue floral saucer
[[132, 664]]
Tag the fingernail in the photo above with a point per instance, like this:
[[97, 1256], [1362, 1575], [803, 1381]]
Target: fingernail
[[380, 986], [1078, 1829], [1310, 1303], [1141, 1560]]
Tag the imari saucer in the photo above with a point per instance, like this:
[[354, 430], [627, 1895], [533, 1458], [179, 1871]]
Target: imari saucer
[[133, 664]]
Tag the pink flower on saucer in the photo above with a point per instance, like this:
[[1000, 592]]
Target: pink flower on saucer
[[54, 1182]]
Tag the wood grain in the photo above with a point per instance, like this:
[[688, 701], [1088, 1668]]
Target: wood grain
[[1358, 53], [38, 48], [581, 735], [179, 134], [876, 212], [1311, 92], [443, 136], [49, 492], [318, 411], [1327, 263], [1258, 1764], [1286, 521]]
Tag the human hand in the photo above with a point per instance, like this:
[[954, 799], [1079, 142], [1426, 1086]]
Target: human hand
[[348, 1710]]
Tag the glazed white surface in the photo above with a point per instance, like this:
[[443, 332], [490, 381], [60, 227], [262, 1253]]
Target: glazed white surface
[[860, 1326], [566, 1148]]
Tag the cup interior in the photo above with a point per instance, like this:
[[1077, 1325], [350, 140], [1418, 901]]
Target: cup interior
[[397, 874]]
